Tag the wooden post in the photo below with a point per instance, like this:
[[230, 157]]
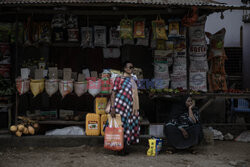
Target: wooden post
[[188, 59], [16, 63]]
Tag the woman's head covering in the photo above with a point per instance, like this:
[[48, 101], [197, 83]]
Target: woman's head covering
[[179, 107]]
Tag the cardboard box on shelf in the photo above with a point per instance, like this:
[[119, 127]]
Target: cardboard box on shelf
[[65, 113], [39, 74], [53, 73], [51, 114], [67, 72]]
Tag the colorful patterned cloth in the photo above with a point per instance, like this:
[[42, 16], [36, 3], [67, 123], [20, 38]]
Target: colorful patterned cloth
[[124, 107]]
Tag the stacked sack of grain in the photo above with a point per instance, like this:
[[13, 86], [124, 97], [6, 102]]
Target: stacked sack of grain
[[179, 75], [162, 60], [198, 55]]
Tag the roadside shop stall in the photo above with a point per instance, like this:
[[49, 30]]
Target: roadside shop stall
[[66, 55]]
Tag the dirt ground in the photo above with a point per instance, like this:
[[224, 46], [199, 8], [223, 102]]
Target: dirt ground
[[221, 154]]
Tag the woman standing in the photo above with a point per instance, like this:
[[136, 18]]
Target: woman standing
[[125, 101], [184, 129]]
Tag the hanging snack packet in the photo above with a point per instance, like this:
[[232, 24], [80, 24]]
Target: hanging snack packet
[[114, 37], [44, 32], [72, 22], [73, 35], [87, 37], [100, 36], [159, 30], [139, 28], [126, 29], [161, 44], [58, 21], [144, 41], [173, 28]]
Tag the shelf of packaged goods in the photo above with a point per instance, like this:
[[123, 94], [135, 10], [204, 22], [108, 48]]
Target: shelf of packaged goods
[[204, 95], [61, 122]]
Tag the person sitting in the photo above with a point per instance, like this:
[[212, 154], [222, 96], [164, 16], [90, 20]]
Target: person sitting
[[184, 129]]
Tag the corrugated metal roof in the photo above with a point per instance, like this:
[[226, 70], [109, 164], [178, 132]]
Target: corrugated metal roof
[[142, 2]]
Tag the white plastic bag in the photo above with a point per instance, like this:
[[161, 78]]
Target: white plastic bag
[[80, 88], [25, 72], [22, 86], [100, 36], [114, 37], [87, 37], [65, 87], [86, 72], [71, 130], [51, 86], [94, 87]]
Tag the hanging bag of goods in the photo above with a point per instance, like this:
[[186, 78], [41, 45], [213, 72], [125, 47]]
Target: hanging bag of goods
[[197, 30], [126, 28], [106, 85], [216, 44], [37, 86], [217, 82], [100, 36], [65, 87], [217, 54], [174, 28], [44, 32], [51, 86], [80, 88], [114, 37], [113, 138], [139, 28], [217, 65], [87, 37], [22, 85], [94, 87], [72, 25], [159, 29]]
